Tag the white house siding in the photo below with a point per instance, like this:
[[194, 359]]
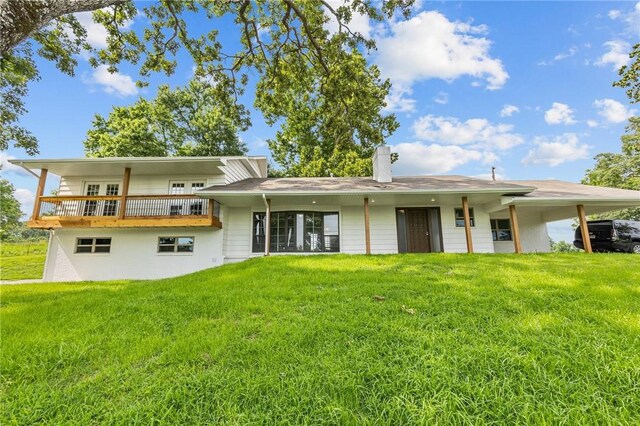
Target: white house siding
[[139, 185], [134, 254], [235, 171], [236, 227], [533, 233], [453, 237], [382, 226], [352, 230]]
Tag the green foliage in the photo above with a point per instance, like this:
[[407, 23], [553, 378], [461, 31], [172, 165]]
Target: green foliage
[[21, 233], [619, 170], [10, 212], [197, 120], [281, 42], [22, 261], [630, 76], [562, 247], [493, 339]]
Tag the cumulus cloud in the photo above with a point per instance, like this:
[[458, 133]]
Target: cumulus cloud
[[631, 18], [479, 133], [97, 33], [441, 98], [113, 83], [26, 199], [613, 111], [559, 113], [614, 14], [399, 100], [6, 167], [359, 23], [557, 150], [417, 158], [592, 123], [617, 54], [430, 46], [508, 110]]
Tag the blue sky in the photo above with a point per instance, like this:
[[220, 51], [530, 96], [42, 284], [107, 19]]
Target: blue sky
[[523, 86]]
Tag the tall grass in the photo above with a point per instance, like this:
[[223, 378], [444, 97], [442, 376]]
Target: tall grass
[[24, 260], [405, 339]]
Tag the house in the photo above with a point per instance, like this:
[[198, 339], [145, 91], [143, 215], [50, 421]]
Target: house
[[159, 217]]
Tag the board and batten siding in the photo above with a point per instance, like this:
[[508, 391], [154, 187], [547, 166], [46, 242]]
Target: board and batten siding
[[134, 254], [534, 235], [236, 227]]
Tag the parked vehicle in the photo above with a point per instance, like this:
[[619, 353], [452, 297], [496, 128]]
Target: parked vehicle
[[611, 235]]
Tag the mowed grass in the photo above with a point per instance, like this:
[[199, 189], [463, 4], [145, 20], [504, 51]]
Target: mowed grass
[[20, 261], [458, 339]]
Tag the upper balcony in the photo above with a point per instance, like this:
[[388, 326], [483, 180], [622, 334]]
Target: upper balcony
[[134, 192], [131, 211]]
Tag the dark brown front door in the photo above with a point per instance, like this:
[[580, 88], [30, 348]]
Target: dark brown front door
[[417, 231]]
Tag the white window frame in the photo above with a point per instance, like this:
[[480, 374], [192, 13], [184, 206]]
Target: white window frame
[[188, 185], [176, 244], [93, 245]]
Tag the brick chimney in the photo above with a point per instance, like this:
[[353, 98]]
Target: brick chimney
[[382, 164]]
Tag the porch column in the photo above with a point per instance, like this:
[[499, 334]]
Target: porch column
[[515, 230], [125, 192], [367, 230], [267, 229], [467, 224], [584, 228], [41, 182]]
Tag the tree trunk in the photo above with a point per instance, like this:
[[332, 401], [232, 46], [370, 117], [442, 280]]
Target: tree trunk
[[21, 18]]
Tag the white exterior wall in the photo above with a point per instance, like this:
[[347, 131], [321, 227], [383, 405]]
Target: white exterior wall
[[235, 171], [352, 230], [383, 229], [139, 185], [236, 225], [134, 254], [453, 237], [533, 233]]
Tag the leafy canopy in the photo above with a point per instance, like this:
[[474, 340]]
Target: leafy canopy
[[10, 213], [619, 170], [285, 44], [197, 120]]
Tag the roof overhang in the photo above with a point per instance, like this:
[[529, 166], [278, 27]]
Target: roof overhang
[[174, 166]]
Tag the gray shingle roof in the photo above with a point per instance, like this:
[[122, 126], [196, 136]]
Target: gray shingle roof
[[568, 190], [451, 183]]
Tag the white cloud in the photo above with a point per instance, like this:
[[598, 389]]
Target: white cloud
[[430, 46], [116, 83], [97, 33], [508, 110], [592, 123], [613, 111], [26, 199], [416, 158], [559, 114], [399, 100], [617, 55], [6, 167], [441, 98], [558, 150], [614, 14], [359, 23], [479, 133]]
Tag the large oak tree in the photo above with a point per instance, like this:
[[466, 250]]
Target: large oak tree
[[299, 64]]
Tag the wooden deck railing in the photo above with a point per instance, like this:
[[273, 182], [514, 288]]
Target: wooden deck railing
[[139, 210]]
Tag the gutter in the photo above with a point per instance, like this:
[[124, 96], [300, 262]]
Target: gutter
[[267, 225]]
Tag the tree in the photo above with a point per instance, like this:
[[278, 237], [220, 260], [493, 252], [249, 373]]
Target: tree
[[630, 75], [278, 39], [197, 120], [10, 213], [562, 247], [619, 170]]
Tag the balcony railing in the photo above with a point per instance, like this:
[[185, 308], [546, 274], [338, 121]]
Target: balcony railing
[[140, 210]]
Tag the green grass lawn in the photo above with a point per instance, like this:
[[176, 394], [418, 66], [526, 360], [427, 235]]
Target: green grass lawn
[[20, 261], [458, 339]]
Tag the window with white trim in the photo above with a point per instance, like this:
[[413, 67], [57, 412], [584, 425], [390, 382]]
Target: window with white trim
[[93, 245], [175, 244], [460, 218]]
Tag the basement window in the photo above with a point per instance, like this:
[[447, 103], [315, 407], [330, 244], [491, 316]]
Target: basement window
[[93, 245], [175, 244], [460, 218], [501, 229]]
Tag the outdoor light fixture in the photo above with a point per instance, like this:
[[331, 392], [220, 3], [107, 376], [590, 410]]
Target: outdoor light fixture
[[313, 202], [433, 200]]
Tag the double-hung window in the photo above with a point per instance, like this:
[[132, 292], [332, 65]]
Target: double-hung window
[[459, 214], [501, 229]]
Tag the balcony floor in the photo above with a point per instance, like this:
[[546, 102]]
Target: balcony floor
[[57, 222]]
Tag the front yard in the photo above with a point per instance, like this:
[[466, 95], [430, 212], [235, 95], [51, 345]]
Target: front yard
[[404, 339]]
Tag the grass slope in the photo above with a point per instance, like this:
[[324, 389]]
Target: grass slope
[[459, 339], [21, 261]]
